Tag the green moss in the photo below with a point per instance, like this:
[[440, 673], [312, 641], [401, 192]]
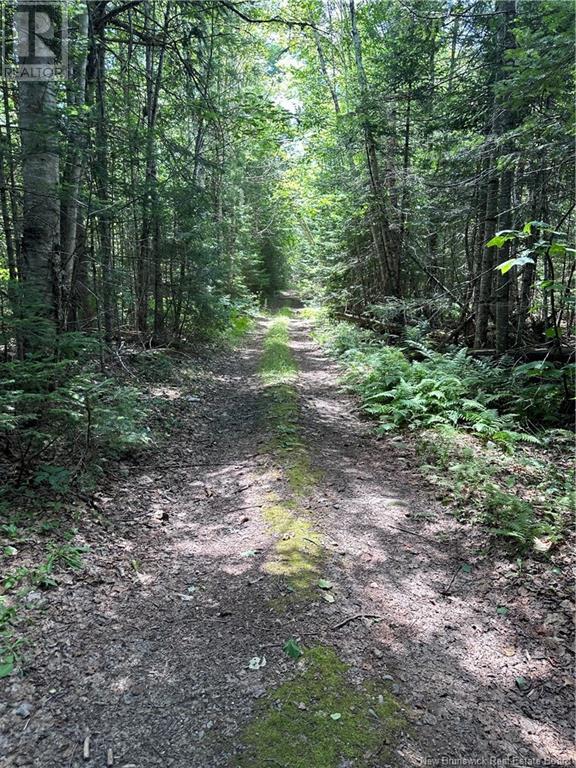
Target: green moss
[[298, 551], [295, 727], [278, 365], [278, 370]]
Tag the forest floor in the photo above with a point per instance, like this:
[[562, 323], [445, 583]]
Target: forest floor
[[214, 549]]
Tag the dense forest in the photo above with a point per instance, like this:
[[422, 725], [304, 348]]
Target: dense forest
[[400, 170]]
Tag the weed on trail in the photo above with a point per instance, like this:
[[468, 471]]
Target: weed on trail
[[19, 582]]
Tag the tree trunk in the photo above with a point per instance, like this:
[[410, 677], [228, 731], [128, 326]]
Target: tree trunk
[[502, 124], [38, 119], [382, 238], [75, 159], [96, 91]]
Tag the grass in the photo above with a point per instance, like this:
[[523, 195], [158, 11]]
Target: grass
[[278, 366], [319, 719]]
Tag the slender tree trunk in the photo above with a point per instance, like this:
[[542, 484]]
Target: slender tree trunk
[[382, 229], [74, 161], [503, 123], [96, 91], [487, 264]]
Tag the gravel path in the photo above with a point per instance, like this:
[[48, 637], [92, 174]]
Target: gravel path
[[146, 653]]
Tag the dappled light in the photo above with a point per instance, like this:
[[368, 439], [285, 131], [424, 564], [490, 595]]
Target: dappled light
[[287, 327]]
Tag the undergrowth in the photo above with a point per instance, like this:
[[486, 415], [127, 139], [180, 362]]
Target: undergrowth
[[66, 418], [488, 427]]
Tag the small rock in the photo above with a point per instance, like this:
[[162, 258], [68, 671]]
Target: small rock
[[24, 710], [33, 597], [301, 705], [378, 653], [388, 677]]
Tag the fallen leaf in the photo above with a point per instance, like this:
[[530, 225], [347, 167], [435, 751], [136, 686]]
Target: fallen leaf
[[324, 584], [292, 648], [328, 597]]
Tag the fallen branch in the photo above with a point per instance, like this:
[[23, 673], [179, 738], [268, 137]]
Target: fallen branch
[[353, 618], [446, 590], [407, 530]]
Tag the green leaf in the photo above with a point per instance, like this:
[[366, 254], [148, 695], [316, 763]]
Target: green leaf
[[324, 584], [519, 261], [557, 249], [7, 666], [551, 333], [466, 568], [522, 683], [527, 229], [500, 238], [502, 610], [292, 648]]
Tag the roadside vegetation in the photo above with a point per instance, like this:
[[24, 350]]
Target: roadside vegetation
[[64, 427], [490, 435]]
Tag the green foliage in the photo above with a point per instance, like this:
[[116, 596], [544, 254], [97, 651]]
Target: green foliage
[[541, 503], [443, 396], [278, 366], [56, 413], [453, 388]]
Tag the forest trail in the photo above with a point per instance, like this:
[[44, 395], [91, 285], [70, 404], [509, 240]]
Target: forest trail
[[148, 652]]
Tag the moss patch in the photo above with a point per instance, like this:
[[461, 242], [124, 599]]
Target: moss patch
[[286, 442], [319, 718], [279, 370], [278, 365], [298, 550]]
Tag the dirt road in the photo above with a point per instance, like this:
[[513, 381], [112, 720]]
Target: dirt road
[[168, 649]]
